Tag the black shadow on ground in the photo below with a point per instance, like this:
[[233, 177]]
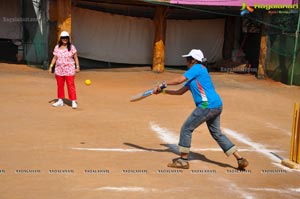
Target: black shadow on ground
[[172, 148]]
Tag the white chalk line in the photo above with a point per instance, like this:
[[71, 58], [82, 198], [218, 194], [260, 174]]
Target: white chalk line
[[281, 191], [167, 136], [141, 189], [284, 167], [234, 188], [243, 193], [122, 189], [111, 150], [259, 148], [145, 151], [164, 134], [273, 126]]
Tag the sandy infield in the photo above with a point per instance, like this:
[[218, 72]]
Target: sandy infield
[[112, 148]]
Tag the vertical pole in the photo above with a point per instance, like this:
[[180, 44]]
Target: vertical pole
[[64, 8], [262, 53], [21, 51], [297, 139], [295, 49], [53, 18], [160, 24], [230, 36], [292, 151]]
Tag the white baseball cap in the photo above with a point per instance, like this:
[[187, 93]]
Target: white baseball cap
[[64, 34], [196, 54]]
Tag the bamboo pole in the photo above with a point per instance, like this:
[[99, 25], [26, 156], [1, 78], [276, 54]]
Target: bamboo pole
[[262, 53], [293, 162], [297, 138], [294, 129], [295, 49], [160, 25]]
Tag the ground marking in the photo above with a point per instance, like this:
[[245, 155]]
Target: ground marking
[[256, 146], [119, 189], [273, 126], [167, 136], [142, 189], [110, 149], [143, 150], [233, 187], [286, 191]]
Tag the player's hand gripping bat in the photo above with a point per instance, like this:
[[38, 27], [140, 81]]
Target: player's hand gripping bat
[[145, 94]]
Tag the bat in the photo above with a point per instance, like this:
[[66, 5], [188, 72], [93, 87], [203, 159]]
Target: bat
[[145, 94]]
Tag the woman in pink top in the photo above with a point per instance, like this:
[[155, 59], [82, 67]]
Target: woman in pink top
[[66, 64]]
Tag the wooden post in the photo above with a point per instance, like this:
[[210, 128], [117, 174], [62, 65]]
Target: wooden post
[[294, 161], [230, 37], [160, 25], [52, 28], [262, 53], [60, 19], [64, 9], [294, 132]]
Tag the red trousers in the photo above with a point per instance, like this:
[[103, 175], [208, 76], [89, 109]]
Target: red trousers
[[70, 85]]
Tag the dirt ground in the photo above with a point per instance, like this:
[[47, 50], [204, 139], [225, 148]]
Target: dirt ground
[[112, 148]]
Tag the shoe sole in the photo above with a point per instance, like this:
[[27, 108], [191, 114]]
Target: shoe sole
[[57, 105]]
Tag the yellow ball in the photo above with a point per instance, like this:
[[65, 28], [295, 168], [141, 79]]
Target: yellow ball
[[87, 82]]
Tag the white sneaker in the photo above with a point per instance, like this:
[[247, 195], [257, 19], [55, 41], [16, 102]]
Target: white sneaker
[[74, 104], [59, 102]]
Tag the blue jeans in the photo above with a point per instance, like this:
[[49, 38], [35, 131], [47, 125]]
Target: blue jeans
[[212, 119]]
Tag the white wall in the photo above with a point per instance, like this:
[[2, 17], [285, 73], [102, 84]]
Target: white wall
[[122, 39]]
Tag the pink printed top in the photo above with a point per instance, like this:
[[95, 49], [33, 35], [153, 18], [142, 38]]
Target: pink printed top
[[65, 63]]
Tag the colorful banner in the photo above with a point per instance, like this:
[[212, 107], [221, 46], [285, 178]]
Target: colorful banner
[[234, 2]]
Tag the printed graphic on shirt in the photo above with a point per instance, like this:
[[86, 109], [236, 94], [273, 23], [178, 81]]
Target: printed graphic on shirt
[[202, 88], [65, 63], [204, 98]]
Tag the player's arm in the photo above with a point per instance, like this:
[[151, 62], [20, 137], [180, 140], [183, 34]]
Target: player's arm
[[76, 62], [52, 63], [178, 80], [180, 91]]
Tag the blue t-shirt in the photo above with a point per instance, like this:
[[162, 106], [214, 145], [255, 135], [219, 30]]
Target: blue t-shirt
[[202, 88]]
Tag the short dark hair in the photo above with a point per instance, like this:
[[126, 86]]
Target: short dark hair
[[190, 58]]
